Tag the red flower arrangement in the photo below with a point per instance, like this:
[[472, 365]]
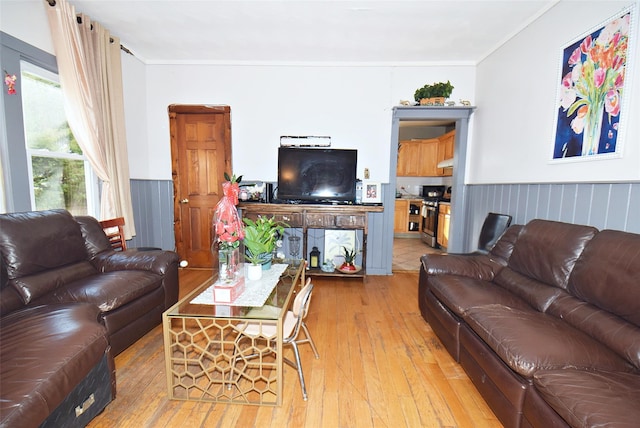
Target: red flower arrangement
[[226, 221]]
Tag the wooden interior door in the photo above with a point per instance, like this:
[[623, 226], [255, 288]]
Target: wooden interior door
[[200, 155]]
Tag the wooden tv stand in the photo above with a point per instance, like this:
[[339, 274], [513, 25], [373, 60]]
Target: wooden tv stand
[[308, 216]]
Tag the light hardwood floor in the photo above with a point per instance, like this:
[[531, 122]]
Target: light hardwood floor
[[380, 366]]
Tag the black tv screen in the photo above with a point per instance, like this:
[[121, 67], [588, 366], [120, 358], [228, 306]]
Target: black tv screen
[[317, 174]]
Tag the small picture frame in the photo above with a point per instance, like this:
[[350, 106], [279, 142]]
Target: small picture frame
[[371, 192]]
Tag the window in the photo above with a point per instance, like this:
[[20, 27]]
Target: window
[[60, 175]]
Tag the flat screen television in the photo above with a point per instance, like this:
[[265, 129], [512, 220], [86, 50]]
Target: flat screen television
[[318, 175]]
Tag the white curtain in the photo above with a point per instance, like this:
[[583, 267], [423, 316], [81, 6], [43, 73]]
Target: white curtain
[[91, 80]]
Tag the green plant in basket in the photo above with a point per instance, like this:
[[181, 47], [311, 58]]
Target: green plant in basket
[[260, 237], [436, 90]]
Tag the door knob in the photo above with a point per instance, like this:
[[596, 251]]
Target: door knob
[[184, 201]]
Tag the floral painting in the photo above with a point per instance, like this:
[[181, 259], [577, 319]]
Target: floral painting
[[591, 91]]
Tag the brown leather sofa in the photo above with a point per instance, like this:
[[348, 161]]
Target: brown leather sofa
[[68, 304], [546, 325]]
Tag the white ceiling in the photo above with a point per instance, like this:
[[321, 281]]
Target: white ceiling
[[318, 31]]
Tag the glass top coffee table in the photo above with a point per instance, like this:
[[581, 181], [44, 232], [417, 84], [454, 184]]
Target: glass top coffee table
[[203, 362]]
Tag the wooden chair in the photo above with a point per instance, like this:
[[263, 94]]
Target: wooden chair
[[114, 229]]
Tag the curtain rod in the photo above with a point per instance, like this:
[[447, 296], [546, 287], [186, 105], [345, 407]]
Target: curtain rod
[[52, 3]]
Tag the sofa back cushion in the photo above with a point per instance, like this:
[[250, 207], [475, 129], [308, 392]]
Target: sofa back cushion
[[547, 250], [39, 241], [607, 275], [95, 239], [537, 294], [504, 247]]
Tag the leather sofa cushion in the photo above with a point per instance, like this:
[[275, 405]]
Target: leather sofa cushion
[[156, 261], [478, 266], [592, 399], [108, 290], [608, 274], [46, 351], [39, 241], [535, 293], [504, 246], [528, 341], [95, 239], [616, 333], [459, 293], [31, 287], [547, 250]]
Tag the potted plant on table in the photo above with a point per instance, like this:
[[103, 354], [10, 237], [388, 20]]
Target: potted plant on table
[[260, 238], [435, 94], [349, 265]]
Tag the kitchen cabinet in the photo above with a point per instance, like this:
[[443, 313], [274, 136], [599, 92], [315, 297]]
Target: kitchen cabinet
[[444, 216], [409, 158], [420, 157], [445, 151], [403, 216]]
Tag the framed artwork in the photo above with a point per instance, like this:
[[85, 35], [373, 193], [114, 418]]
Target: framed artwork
[[334, 240], [594, 72], [371, 192]]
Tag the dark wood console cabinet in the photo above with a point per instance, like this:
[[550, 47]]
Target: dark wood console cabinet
[[305, 217]]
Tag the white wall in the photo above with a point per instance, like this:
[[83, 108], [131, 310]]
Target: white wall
[[350, 104], [27, 21], [516, 99], [135, 108]]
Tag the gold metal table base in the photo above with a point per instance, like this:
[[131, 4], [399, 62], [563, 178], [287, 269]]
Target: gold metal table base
[[202, 351], [204, 362]]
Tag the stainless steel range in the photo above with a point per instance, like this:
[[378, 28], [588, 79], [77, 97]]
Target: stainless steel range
[[432, 196]]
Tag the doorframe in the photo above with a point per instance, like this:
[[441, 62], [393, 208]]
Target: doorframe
[[173, 110], [459, 239]]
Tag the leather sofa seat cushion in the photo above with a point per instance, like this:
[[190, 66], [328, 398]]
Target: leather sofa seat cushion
[[52, 348], [608, 273], [459, 293], [547, 250], [592, 398], [528, 341], [108, 291]]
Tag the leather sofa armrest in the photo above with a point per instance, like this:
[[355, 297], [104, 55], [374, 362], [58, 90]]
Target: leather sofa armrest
[[156, 261], [479, 266]]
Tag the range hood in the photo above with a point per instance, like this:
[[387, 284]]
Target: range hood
[[447, 163]]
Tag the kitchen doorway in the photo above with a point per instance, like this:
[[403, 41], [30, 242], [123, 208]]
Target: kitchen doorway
[[407, 253]]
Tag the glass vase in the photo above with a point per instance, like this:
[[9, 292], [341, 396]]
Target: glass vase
[[228, 265]]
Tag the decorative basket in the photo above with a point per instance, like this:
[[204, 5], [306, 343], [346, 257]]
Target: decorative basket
[[436, 101]]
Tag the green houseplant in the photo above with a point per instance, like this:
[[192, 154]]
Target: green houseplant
[[349, 264], [260, 237], [433, 94]]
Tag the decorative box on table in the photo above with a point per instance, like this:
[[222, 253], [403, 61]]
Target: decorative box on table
[[226, 293]]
